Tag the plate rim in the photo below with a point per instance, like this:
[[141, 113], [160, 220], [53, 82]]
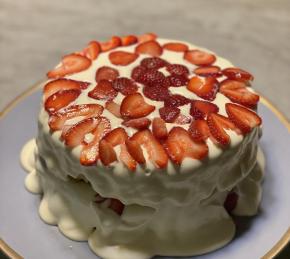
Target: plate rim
[[278, 247]]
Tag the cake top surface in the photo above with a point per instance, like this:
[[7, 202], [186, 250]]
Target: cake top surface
[[146, 101]]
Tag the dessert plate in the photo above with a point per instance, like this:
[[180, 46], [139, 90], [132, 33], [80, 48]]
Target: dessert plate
[[20, 226]]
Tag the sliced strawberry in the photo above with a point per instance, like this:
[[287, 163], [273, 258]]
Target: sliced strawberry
[[176, 100], [156, 93], [76, 133], [129, 40], [182, 119], [107, 73], [235, 73], [179, 145], [207, 71], [205, 88], [153, 63], [177, 69], [201, 109], [57, 120], [70, 64], [116, 206], [107, 153], [199, 130], [199, 57], [113, 108], [103, 91], [135, 150], [61, 99], [155, 151], [137, 72], [152, 77], [93, 50], [113, 43], [90, 152], [122, 58], [242, 117], [140, 123], [217, 125], [134, 106], [147, 37], [237, 92], [177, 80], [151, 48], [231, 201], [62, 84], [175, 46], [169, 113], [159, 128], [127, 159], [125, 85]]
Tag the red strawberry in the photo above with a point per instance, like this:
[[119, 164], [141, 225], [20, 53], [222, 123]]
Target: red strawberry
[[176, 80], [153, 63], [231, 201], [90, 152], [129, 40], [103, 91], [76, 133], [137, 72], [199, 57], [57, 120], [235, 73], [135, 150], [206, 71], [155, 151], [182, 119], [140, 123], [169, 113], [107, 153], [62, 84], [147, 37], [93, 50], [175, 46], [70, 64], [242, 117], [156, 93], [61, 99], [113, 108], [201, 109], [179, 145], [113, 43], [125, 85], [176, 100], [152, 77], [217, 125], [134, 106], [237, 92], [205, 88], [199, 130], [116, 206], [159, 128], [151, 48], [107, 73], [122, 58], [177, 69]]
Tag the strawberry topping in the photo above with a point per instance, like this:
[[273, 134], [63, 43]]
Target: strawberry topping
[[175, 46], [199, 130], [137, 72], [159, 128], [93, 50], [107, 153], [107, 73], [113, 43], [169, 113], [199, 57], [147, 37], [129, 40], [176, 100], [177, 69], [135, 150], [177, 80], [182, 119], [206, 71], [156, 93], [153, 63], [139, 123], [235, 73], [151, 48], [201, 109], [122, 58], [152, 77], [125, 85], [113, 108], [103, 91]]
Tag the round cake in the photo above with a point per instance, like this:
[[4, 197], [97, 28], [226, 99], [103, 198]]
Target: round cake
[[146, 146]]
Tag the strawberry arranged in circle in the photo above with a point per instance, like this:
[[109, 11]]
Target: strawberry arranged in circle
[[128, 40], [146, 37], [139, 123], [238, 74], [177, 80], [242, 117], [177, 69], [107, 73], [113, 43], [152, 77], [159, 129], [176, 100], [201, 109], [103, 91], [135, 150], [134, 106], [169, 113], [122, 58], [151, 48], [93, 50], [107, 153], [199, 57], [137, 72], [238, 92], [175, 46], [207, 71], [113, 108], [125, 85], [153, 63], [70, 64], [156, 93], [180, 145], [199, 130], [205, 88], [182, 119]]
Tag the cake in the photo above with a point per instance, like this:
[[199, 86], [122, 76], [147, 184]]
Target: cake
[[146, 146]]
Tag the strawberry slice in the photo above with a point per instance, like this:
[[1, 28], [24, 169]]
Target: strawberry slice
[[137, 72], [179, 145], [242, 117], [151, 48], [129, 40], [113, 43], [159, 129], [169, 113], [117, 206], [238, 74], [217, 125], [155, 150], [62, 84], [231, 201], [199, 57], [156, 93], [182, 119], [199, 130], [134, 106], [135, 150], [113, 108], [122, 58], [177, 69], [60, 99], [175, 46], [103, 91], [93, 50], [107, 153], [205, 88], [70, 64], [176, 100], [76, 133], [237, 92], [201, 109], [153, 63], [58, 119], [107, 73], [90, 151], [147, 37], [140, 123], [206, 71], [125, 85]]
